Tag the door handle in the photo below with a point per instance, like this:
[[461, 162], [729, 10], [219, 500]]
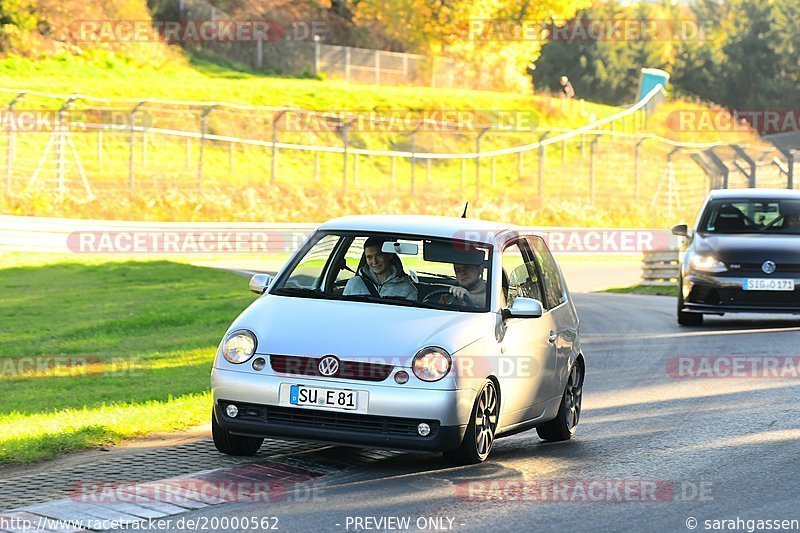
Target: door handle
[[552, 338]]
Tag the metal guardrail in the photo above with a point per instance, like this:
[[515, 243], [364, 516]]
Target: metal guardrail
[[660, 268]]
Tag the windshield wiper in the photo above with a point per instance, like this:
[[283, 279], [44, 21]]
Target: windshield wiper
[[302, 292]]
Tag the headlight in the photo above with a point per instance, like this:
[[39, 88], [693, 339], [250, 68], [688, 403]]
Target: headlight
[[239, 346], [431, 364], [708, 263]]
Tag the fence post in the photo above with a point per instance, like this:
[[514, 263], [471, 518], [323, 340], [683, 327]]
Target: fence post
[[316, 55], [344, 128], [231, 153], [393, 169], [749, 160], [478, 162], [355, 169], [60, 148], [10, 141], [144, 149], [519, 165], [260, 53], [203, 118], [347, 63], [787, 153], [564, 153], [187, 153], [100, 147], [316, 166], [131, 178], [377, 67], [593, 153], [428, 171], [636, 168], [413, 135], [542, 156], [275, 119], [583, 144]]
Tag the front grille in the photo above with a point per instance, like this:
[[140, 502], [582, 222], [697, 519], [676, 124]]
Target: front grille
[[309, 366], [310, 418], [755, 268], [737, 296]]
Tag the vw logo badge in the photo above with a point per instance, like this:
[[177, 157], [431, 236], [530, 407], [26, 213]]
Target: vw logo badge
[[768, 267], [328, 365]]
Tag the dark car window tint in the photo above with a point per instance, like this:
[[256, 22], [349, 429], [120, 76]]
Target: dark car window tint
[[553, 286], [752, 216]]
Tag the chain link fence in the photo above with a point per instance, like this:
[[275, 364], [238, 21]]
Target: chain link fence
[[90, 147]]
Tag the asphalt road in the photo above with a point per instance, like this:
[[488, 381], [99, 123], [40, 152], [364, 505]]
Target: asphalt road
[[673, 448]]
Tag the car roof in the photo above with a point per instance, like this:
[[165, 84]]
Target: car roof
[[469, 229], [756, 194]]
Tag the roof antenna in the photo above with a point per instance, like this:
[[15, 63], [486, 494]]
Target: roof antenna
[[464, 214]]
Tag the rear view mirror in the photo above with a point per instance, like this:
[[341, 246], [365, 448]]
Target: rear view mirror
[[401, 248]]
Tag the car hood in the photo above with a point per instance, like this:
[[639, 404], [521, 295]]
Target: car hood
[[751, 248], [357, 331]]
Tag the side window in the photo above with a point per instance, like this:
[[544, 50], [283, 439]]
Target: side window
[[553, 286], [520, 274], [308, 273]]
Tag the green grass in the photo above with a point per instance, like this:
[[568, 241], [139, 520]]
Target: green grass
[[123, 349], [645, 289], [99, 74]]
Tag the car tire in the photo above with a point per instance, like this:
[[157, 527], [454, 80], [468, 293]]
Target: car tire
[[563, 426], [478, 439], [233, 444], [684, 318]]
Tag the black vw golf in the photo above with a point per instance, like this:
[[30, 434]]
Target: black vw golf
[[742, 257]]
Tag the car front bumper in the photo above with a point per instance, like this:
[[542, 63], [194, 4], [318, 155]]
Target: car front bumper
[[706, 293], [388, 420]]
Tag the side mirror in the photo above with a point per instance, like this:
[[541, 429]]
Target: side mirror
[[260, 282], [524, 308], [681, 230]]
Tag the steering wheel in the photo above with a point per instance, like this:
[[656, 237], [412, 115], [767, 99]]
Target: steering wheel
[[433, 297]]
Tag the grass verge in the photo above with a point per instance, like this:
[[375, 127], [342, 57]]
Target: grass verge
[[91, 354], [645, 289]]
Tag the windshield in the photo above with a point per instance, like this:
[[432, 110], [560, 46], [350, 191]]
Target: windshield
[[752, 216], [391, 270]]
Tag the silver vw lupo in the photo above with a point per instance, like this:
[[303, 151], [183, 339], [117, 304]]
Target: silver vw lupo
[[403, 332]]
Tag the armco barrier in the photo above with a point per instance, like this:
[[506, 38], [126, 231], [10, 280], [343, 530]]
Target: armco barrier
[[660, 267]]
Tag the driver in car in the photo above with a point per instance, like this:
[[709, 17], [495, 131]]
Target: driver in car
[[471, 289], [382, 275], [791, 221]]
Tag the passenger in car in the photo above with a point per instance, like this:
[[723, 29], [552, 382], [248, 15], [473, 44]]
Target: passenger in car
[[471, 288], [382, 274]]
